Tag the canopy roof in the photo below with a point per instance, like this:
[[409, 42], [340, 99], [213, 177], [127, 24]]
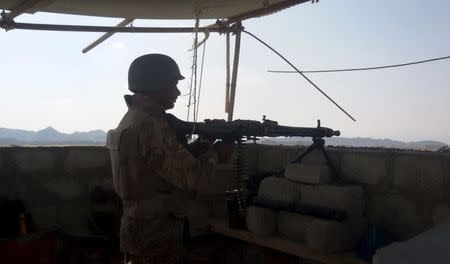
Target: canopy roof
[[229, 14], [155, 9]]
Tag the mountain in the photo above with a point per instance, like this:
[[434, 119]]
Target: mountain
[[50, 136], [426, 145]]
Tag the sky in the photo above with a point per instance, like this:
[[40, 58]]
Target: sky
[[45, 80]]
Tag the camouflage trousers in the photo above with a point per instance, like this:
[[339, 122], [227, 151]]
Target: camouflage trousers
[[157, 241]]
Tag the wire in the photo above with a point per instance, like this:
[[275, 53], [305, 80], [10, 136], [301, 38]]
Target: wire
[[299, 72], [368, 68], [201, 78], [193, 82]]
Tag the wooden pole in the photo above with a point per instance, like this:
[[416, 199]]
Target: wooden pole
[[227, 82], [107, 35], [237, 48], [79, 28]]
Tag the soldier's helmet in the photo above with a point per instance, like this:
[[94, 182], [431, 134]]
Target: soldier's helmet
[[152, 72]]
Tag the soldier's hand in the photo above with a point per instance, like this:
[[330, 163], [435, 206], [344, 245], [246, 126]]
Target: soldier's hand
[[199, 146], [224, 151]]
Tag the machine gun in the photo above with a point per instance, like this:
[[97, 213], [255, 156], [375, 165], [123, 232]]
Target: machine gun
[[240, 130], [246, 129]]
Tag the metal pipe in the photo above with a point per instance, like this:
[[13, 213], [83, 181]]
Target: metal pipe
[[107, 35], [79, 28], [237, 49], [227, 84]]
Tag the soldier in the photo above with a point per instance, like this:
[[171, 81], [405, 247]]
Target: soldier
[[151, 168]]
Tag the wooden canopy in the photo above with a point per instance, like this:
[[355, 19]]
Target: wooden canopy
[[155, 9]]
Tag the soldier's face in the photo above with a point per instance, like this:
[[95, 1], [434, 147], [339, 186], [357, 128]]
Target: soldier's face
[[170, 96]]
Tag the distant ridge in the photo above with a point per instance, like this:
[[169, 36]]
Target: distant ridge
[[361, 142], [50, 136]]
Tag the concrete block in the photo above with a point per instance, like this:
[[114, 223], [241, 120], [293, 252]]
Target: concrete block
[[89, 158], [29, 160], [261, 221], [197, 213], [272, 159], [106, 183], [363, 168], [293, 152], [293, 226], [64, 188], [45, 217], [335, 158], [332, 236], [253, 157], [314, 157], [396, 213], [441, 214], [349, 198], [419, 173], [279, 189], [308, 173], [73, 217], [219, 207], [218, 183]]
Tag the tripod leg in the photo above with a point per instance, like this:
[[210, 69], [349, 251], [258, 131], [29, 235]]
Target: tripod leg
[[333, 169]]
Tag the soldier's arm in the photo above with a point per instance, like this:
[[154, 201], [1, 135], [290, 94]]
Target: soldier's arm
[[173, 161]]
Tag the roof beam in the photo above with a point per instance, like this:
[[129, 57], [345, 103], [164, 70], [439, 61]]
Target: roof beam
[[269, 9], [79, 28], [107, 35], [21, 8]]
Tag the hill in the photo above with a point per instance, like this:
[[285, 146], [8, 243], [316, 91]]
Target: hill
[[425, 145], [50, 136]]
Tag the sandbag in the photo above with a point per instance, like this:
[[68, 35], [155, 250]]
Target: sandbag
[[309, 173], [349, 198], [279, 189], [261, 221], [293, 226]]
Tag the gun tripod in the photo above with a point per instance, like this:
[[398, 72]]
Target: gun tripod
[[319, 144]]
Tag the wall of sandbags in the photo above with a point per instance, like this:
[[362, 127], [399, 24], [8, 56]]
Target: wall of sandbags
[[405, 191]]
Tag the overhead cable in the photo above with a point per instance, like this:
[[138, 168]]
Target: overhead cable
[[299, 72], [201, 78], [367, 68]]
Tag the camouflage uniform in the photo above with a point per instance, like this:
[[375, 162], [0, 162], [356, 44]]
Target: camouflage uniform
[[152, 171]]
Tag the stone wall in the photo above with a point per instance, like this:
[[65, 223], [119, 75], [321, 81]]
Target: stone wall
[[55, 182], [407, 192]]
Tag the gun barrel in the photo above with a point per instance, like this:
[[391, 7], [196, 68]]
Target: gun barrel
[[247, 128], [318, 132]]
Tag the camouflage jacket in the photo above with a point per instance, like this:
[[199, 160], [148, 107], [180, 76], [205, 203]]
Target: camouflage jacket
[[152, 171]]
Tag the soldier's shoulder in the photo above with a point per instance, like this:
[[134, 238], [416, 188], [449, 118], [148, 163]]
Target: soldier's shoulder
[[155, 118]]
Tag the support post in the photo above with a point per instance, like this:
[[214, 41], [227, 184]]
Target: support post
[[237, 49], [227, 81]]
